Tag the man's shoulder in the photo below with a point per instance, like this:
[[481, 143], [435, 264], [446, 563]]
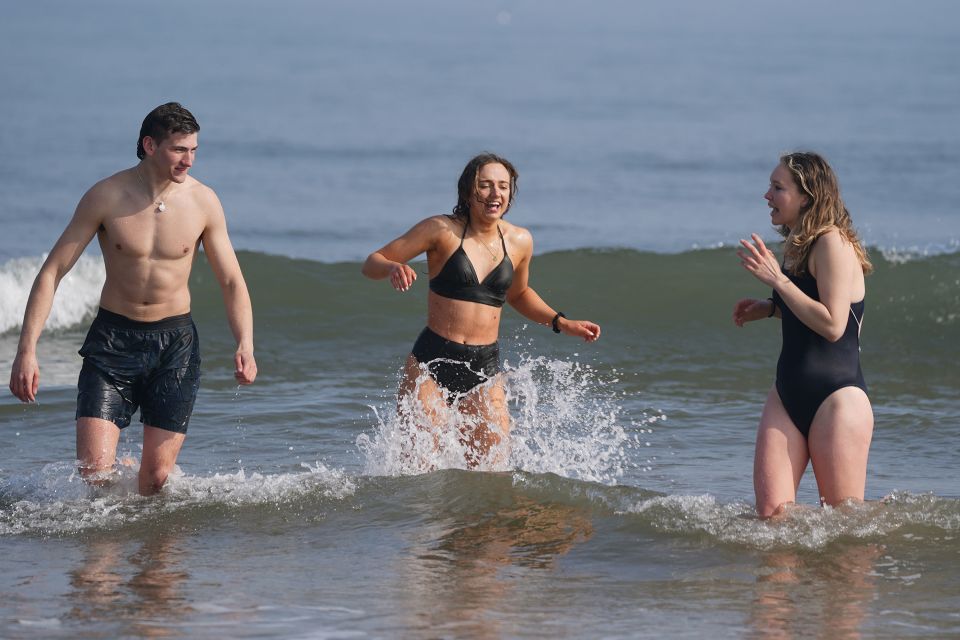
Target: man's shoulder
[[201, 193], [111, 186], [106, 194], [196, 184]]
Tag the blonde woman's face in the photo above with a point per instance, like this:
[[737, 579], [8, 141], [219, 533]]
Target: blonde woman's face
[[785, 198]]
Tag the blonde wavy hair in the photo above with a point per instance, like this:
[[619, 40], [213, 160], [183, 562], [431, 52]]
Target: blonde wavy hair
[[824, 211]]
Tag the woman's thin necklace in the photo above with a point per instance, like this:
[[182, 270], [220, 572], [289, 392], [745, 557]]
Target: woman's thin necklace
[[161, 205], [493, 254]]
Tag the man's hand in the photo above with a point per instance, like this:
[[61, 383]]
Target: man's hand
[[25, 377], [246, 367]]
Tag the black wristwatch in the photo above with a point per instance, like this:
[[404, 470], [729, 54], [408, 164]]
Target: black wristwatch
[[553, 323]]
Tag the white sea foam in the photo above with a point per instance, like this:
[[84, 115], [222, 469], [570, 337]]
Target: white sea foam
[[239, 488], [804, 527], [897, 255], [54, 500], [564, 420], [76, 298]]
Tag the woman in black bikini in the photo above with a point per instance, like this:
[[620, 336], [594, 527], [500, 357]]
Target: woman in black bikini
[[477, 261], [818, 410]]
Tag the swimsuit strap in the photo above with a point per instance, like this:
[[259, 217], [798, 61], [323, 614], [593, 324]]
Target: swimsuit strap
[[464, 234], [859, 327], [858, 321]]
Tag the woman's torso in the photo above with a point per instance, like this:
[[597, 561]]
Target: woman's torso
[[468, 283], [808, 358]]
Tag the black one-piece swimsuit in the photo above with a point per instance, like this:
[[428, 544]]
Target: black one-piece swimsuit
[[811, 367]]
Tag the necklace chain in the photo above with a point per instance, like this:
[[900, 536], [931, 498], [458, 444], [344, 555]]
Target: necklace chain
[[161, 205], [493, 254]]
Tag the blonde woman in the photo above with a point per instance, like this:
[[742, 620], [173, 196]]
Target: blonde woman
[[818, 410]]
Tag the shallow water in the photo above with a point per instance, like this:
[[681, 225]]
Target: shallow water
[[624, 510], [644, 137]]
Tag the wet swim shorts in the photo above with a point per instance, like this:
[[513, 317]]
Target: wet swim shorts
[[129, 364]]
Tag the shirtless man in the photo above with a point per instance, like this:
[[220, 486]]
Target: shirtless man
[[142, 348]]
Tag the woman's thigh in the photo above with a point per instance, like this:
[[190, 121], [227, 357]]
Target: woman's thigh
[[839, 444], [780, 457]]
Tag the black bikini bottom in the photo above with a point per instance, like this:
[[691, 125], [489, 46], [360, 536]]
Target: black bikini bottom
[[458, 368]]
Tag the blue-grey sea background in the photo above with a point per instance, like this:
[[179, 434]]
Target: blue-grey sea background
[[644, 133]]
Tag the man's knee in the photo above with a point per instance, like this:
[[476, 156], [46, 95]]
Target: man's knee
[[153, 475], [771, 508], [151, 480], [94, 473]]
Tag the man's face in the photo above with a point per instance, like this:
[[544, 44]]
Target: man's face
[[174, 155]]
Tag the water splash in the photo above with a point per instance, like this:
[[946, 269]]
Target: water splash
[[565, 419], [429, 429]]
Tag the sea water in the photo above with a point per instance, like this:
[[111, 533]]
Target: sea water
[[644, 135]]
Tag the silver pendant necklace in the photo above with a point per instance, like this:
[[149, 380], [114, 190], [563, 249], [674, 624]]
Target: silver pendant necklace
[[161, 205]]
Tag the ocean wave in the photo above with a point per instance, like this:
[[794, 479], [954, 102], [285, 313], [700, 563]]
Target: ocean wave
[[910, 518], [55, 500], [76, 299], [615, 283], [917, 517], [901, 255]]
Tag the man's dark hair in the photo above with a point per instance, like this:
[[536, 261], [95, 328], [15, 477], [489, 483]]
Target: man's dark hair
[[168, 118]]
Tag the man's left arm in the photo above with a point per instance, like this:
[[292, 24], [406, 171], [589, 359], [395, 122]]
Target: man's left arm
[[236, 298]]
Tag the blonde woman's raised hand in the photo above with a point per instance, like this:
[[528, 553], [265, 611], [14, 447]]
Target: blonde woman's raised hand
[[761, 261]]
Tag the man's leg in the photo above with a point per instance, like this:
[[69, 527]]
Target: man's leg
[[96, 448], [160, 451]]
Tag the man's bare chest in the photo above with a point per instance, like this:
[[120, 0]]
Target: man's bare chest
[[160, 236]]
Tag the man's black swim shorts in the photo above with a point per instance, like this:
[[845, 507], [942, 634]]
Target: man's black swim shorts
[[129, 364]]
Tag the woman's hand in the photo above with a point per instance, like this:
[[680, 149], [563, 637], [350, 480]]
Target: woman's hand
[[761, 262], [750, 309], [589, 331], [402, 276]]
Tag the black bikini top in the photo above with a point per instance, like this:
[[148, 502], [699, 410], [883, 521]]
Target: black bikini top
[[458, 279]]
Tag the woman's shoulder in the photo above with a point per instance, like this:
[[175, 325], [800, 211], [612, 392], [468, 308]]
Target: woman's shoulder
[[831, 239], [832, 246], [516, 234], [438, 224]]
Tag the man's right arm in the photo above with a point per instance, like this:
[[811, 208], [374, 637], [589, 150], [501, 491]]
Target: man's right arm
[[25, 373]]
